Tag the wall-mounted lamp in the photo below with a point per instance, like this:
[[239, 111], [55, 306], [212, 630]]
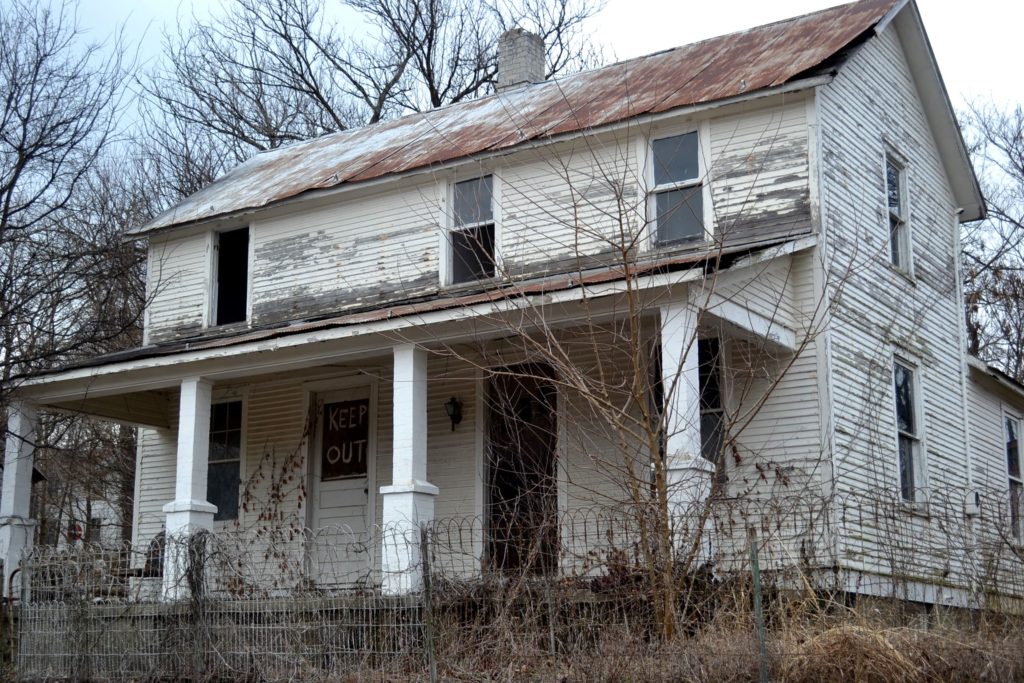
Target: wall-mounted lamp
[[453, 407]]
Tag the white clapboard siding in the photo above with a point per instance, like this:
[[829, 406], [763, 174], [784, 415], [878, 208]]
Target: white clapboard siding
[[873, 101], [758, 170], [157, 460], [177, 286], [569, 200], [352, 249]]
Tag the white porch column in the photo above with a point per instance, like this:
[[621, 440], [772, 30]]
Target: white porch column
[[15, 525], [409, 500], [189, 512], [689, 474]]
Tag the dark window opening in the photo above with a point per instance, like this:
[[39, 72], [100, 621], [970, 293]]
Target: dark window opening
[[223, 473], [1013, 470], [712, 409], [908, 437], [232, 276], [473, 235]]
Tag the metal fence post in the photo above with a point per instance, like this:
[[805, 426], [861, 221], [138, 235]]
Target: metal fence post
[[428, 600], [755, 570]]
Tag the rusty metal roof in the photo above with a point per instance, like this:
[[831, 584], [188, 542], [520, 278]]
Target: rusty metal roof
[[710, 70]]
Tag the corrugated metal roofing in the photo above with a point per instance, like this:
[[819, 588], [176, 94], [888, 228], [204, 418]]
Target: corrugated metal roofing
[[710, 70]]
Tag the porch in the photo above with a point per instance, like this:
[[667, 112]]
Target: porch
[[382, 426]]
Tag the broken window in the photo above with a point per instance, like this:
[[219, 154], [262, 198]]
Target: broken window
[[712, 409], [1016, 485], [895, 192], [678, 193], [232, 293], [223, 473], [472, 237], [911, 470]]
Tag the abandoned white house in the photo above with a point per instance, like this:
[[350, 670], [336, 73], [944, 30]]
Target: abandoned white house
[[773, 215]]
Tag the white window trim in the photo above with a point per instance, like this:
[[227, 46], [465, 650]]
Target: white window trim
[[907, 243], [241, 396], [920, 455], [210, 300], [446, 192], [1008, 414], [646, 154]]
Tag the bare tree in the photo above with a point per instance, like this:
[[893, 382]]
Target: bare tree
[[993, 250], [60, 108], [269, 73]]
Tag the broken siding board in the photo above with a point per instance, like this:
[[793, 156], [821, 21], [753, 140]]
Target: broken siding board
[[344, 254], [759, 173], [177, 280], [873, 103]]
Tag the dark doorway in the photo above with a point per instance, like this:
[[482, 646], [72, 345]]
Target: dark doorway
[[522, 501]]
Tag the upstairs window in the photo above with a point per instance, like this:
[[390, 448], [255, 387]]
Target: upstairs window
[[232, 277], [678, 194], [911, 469], [896, 201], [223, 473], [472, 237], [1016, 485]]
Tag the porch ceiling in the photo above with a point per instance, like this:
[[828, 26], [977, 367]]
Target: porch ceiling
[[140, 409]]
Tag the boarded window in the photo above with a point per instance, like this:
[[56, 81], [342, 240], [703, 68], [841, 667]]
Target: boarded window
[[232, 276], [223, 472], [473, 235], [678, 194]]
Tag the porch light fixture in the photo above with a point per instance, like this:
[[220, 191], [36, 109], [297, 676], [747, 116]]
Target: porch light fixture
[[453, 407]]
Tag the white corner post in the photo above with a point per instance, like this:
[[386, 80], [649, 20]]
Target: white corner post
[[689, 475], [16, 528], [409, 500], [189, 512]]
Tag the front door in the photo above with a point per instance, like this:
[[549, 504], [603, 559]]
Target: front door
[[342, 507], [522, 494]]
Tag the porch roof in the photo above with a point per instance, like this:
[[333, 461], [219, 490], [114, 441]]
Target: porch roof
[[276, 348]]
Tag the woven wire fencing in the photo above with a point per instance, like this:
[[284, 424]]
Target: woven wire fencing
[[292, 604]]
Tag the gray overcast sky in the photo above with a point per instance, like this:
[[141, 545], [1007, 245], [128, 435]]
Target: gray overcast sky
[[977, 44]]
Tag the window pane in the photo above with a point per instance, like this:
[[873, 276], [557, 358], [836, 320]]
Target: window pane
[[904, 380], [675, 159], [896, 240], [222, 489], [1012, 449], [907, 447], [473, 253], [473, 201], [680, 215], [218, 417], [712, 427], [892, 187], [1015, 503]]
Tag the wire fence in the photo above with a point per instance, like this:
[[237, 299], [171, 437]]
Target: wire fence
[[298, 604]]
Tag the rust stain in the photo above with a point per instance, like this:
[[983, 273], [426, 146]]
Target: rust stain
[[710, 70]]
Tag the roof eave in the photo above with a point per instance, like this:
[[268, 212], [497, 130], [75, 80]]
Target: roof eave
[[938, 109]]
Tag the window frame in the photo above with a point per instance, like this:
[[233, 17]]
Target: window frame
[[703, 131], [212, 285], [919, 463], [900, 238], [447, 248], [1016, 513], [243, 431]]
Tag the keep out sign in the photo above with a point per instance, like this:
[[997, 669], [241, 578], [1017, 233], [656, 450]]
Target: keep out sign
[[345, 437]]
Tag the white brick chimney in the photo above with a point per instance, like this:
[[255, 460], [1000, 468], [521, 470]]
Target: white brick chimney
[[520, 59]]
